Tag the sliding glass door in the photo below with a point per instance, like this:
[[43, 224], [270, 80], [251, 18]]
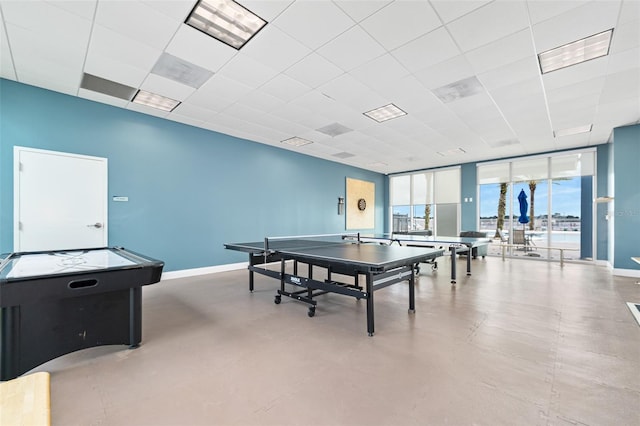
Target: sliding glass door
[[540, 206]]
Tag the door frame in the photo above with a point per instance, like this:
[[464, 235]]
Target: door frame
[[16, 189]]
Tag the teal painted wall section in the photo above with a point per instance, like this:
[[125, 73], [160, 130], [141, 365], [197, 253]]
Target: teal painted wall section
[[469, 209], [602, 183], [190, 190], [586, 217], [626, 158]]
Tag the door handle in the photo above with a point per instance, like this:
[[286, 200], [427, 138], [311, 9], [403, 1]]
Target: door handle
[[95, 225]]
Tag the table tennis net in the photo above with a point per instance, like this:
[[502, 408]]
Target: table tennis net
[[308, 241]]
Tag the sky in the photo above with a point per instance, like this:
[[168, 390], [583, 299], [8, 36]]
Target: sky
[[565, 199]]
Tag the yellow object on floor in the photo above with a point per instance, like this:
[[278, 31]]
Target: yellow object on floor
[[25, 401]]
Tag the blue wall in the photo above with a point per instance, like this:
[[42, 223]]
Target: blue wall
[[626, 158], [586, 217], [190, 190]]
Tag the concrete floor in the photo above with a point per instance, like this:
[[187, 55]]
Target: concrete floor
[[518, 343]]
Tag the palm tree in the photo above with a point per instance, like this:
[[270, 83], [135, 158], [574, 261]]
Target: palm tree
[[502, 207], [532, 191], [427, 214]]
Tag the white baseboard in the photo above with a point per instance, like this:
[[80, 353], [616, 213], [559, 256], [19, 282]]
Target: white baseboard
[[634, 273], [184, 273]]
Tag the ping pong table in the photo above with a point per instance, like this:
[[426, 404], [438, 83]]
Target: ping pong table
[[382, 266], [457, 245]]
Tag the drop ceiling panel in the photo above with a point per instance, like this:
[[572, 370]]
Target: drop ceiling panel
[[450, 10], [515, 72], [263, 49], [504, 51], [409, 95], [621, 86], [314, 70], [121, 49], [449, 71], [34, 54], [45, 20], [489, 23], [626, 36], [84, 9], [352, 48], [328, 22], [303, 116], [543, 10], [6, 61], [572, 141], [209, 99], [178, 10], [189, 44], [147, 110], [577, 23], [223, 87], [576, 91], [430, 49], [247, 71], [184, 119], [58, 79], [110, 69], [565, 117], [624, 61], [137, 21], [576, 73], [417, 18], [261, 100], [196, 113], [349, 91], [267, 10], [166, 87], [384, 69], [359, 10], [102, 98], [285, 88]]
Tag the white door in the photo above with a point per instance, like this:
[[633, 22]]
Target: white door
[[60, 200]]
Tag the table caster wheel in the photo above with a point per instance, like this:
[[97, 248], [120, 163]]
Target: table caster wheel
[[277, 299], [312, 311], [434, 267]]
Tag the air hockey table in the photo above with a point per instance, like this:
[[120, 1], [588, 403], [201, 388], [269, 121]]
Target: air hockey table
[[56, 302]]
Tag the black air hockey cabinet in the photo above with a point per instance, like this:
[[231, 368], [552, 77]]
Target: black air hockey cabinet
[[56, 302]]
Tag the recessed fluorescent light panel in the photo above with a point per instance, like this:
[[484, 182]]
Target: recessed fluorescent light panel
[[385, 113], [225, 20], [155, 101], [296, 141], [179, 70], [576, 52], [572, 131]]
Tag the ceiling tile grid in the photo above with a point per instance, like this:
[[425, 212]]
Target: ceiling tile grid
[[318, 65]]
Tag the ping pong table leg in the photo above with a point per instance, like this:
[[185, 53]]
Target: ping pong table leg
[[469, 261], [370, 323], [251, 281], [412, 291], [453, 263]]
